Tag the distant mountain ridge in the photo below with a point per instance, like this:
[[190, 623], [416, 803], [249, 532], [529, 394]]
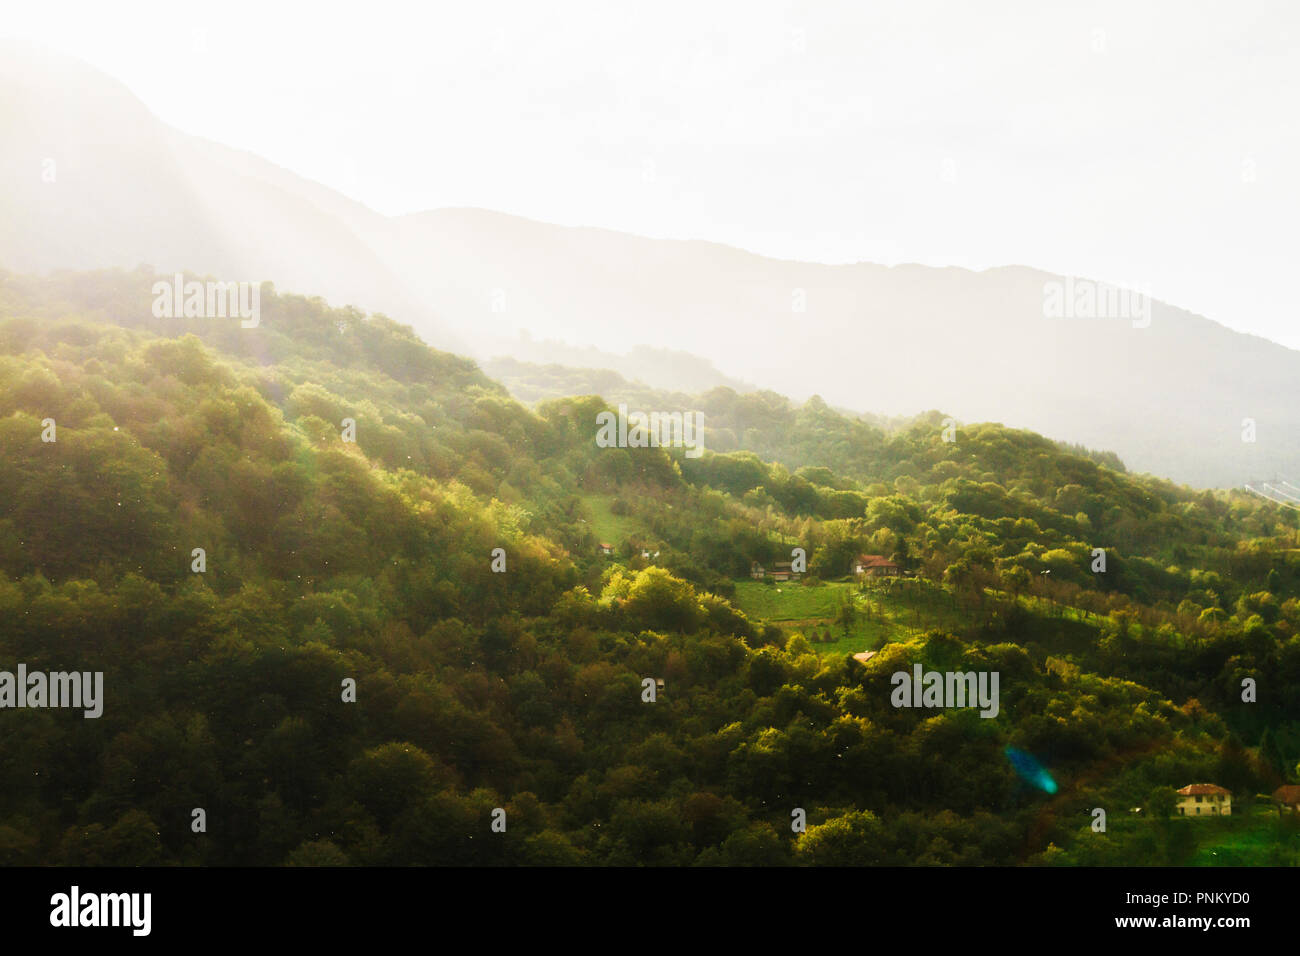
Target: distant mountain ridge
[[669, 369], [797, 435], [1183, 397]]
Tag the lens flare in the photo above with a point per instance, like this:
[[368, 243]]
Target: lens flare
[[1030, 770]]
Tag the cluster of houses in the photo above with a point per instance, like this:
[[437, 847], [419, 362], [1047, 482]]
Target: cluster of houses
[[606, 548], [1194, 800], [1211, 800], [781, 571], [864, 565]]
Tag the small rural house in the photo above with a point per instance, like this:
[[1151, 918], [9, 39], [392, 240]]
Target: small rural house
[[784, 571], [1204, 799], [875, 565], [606, 548], [1287, 798]]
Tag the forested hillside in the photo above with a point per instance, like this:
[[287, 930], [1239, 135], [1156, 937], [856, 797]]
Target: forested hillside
[[515, 678], [768, 424]]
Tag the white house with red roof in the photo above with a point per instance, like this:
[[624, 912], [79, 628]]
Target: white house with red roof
[[1204, 800], [875, 565]]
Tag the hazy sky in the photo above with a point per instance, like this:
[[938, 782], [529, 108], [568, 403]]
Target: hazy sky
[[1151, 143]]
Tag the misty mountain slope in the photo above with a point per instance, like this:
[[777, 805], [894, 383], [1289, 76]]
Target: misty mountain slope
[[671, 370], [89, 178], [1170, 398]]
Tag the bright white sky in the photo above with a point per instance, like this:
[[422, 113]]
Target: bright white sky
[[1152, 143]]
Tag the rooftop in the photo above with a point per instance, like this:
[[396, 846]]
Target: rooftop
[[1202, 789]]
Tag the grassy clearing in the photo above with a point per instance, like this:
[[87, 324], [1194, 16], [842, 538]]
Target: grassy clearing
[[1257, 837], [883, 613], [608, 526], [789, 601]]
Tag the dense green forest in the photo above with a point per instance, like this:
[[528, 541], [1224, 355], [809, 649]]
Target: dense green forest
[[522, 689]]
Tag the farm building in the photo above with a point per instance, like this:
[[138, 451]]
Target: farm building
[[1288, 797], [875, 565], [1204, 799], [784, 571]]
